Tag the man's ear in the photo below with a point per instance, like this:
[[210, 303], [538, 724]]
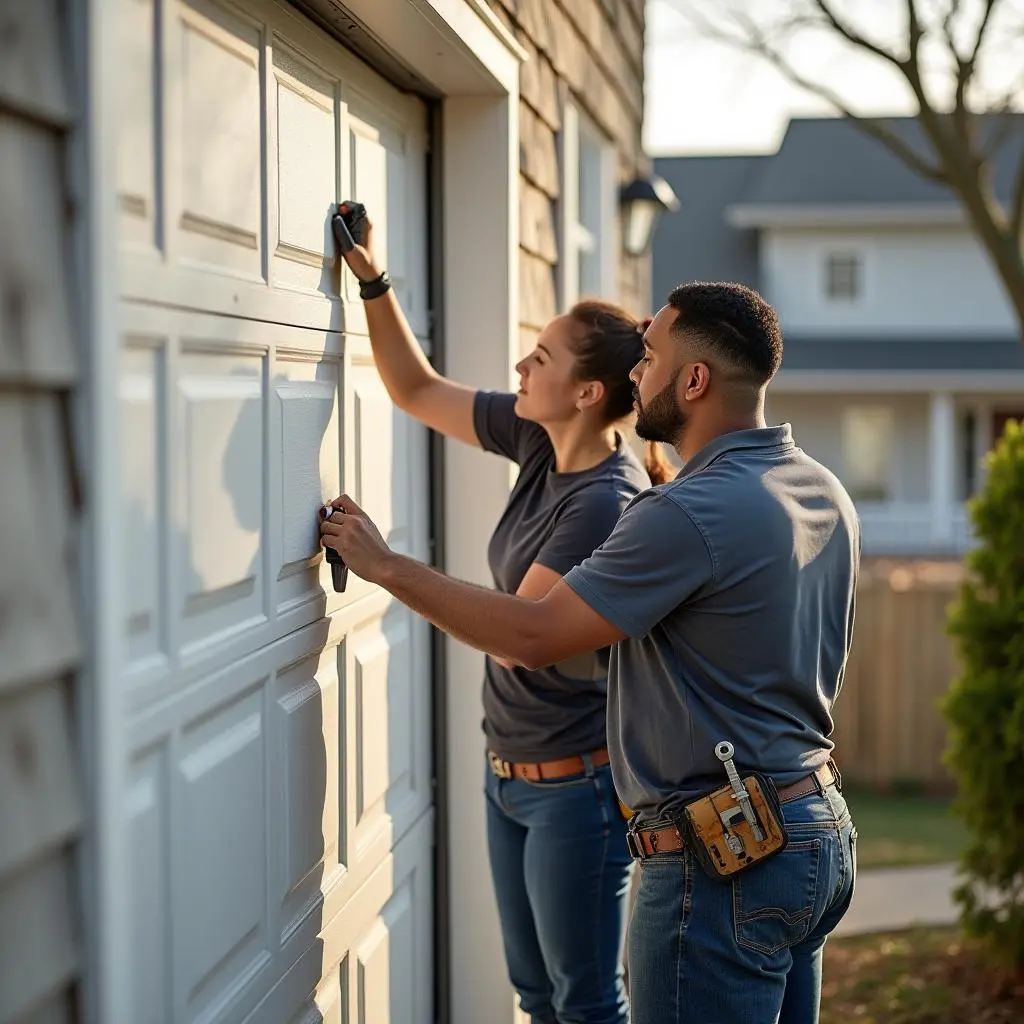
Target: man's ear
[[697, 380]]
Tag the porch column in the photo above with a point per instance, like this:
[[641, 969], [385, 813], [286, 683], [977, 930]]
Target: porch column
[[982, 440], [942, 449]]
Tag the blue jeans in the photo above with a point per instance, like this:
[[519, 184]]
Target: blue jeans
[[561, 876], [746, 951]]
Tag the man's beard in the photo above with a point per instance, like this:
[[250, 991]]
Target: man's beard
[[661, 419]]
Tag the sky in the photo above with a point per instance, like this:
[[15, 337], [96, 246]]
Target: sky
[[702, 97]]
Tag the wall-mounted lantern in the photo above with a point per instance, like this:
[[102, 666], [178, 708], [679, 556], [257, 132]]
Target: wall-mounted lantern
[[643, 201]]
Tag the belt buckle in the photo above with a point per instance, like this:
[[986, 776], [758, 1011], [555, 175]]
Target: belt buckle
[[502, 769], [633, 845]]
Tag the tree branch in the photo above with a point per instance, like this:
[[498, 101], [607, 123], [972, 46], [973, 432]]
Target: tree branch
[[752, 39], [947, 31], [979, 39], [1017, 206], [915, 33], [966, 66], [851, 35]]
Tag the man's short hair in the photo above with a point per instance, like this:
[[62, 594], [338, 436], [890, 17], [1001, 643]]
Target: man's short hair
[[734, 322]]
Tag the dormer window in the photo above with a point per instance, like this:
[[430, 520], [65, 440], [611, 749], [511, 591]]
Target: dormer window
[[844, 277]]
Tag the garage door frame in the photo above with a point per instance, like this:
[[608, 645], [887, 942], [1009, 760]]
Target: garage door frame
[[473, 65]]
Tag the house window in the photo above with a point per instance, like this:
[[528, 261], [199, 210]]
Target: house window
[[589, 252], [844, 277], [869, 437]]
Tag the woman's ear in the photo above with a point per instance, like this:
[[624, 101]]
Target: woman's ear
[[589, 393]]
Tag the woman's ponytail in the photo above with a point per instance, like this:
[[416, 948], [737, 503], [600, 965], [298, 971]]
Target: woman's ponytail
[[657, 464]]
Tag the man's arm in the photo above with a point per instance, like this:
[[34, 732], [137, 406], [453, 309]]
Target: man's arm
[[531, 633]]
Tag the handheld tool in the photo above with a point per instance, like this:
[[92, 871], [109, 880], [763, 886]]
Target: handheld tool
[[724, 752], [339, 570], [349, 225]]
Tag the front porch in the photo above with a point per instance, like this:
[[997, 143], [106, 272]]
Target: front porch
[[914, 528], [910, 459]]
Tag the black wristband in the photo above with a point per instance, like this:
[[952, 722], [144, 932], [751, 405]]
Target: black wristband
[[376, 288]]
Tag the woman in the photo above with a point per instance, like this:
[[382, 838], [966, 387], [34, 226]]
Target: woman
[[556, 835]]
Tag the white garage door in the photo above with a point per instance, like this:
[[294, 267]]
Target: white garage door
[[280, 800]]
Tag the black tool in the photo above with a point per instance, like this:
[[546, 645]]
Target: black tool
[[339, 570], [349, 225]]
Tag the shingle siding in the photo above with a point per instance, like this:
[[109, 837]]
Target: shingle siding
[[591, 51], [41, 805]]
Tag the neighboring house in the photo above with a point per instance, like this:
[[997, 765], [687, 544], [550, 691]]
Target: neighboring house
[[228, 794], [902, 357]]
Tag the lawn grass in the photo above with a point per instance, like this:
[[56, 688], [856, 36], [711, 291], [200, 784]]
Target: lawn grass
[[904, 829], [922, 976]]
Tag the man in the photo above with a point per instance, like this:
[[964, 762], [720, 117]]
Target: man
[[728, 597]]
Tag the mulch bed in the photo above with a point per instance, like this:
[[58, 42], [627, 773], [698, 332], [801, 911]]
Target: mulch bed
[[922, 976]]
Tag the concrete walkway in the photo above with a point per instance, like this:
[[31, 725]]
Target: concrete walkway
[[888, 899]]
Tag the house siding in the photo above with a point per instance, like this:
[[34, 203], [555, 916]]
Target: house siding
[[917, 282], [592, 52], [41, 807]]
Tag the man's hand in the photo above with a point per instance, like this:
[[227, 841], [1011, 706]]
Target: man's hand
[[352, 534]]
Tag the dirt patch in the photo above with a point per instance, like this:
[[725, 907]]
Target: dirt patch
[[922, 976]]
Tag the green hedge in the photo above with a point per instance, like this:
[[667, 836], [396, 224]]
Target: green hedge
[[985, 708]]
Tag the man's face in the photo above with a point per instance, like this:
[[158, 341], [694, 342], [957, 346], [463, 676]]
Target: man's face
[[656, 377]]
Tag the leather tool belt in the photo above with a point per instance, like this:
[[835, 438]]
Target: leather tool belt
[[648, 842], [545, 771]]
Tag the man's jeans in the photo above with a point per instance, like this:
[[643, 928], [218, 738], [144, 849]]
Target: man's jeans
[[747, 951], [561, 876]]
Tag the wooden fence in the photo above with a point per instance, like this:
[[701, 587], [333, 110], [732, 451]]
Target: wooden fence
[[889, 730]]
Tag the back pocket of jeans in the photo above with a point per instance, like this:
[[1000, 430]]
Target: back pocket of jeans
[[773, 904]]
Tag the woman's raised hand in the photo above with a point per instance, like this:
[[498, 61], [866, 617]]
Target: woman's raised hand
[[354, 233]]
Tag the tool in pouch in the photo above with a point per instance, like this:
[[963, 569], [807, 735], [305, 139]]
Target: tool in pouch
[[736, 826], [339, 570]]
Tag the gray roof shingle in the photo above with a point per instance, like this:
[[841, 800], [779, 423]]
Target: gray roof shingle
[[697, 243], [918, 354], [829, 160], [821, 162]]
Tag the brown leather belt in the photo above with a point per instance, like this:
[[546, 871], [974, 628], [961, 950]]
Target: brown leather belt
[[544, 771], [646, 842]]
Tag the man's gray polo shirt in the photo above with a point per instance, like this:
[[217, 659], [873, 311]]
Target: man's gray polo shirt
[[734, 584]]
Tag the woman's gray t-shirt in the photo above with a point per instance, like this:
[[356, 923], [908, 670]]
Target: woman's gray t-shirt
[[557, 520]]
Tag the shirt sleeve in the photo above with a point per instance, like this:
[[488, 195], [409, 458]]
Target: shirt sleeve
[[501, 431], [582, 528], [655, 559]]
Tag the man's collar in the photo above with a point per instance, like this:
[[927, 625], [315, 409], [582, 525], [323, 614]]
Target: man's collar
[[754, 437]]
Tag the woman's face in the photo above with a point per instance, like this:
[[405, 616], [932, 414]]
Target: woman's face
[[548, 388]]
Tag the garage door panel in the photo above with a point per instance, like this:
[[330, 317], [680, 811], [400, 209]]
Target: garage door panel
[[219, 884], [148, 839], [386, 167], [330, 1004], [217, 139], [384, 709], [137, 142], [280, 733], [144, 487], [307, 455], [389, 938], [221, 483], [310, 833], [304, 165], [383, 454]]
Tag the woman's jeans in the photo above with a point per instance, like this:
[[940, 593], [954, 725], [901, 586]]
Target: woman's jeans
[[561, 876], [746, 951]]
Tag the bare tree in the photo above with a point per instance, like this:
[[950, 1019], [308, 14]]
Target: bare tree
[[939, 54]]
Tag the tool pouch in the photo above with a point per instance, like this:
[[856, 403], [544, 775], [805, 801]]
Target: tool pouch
[[705, 834]]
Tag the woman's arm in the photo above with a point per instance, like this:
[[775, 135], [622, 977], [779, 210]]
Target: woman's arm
[[413, 384]]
